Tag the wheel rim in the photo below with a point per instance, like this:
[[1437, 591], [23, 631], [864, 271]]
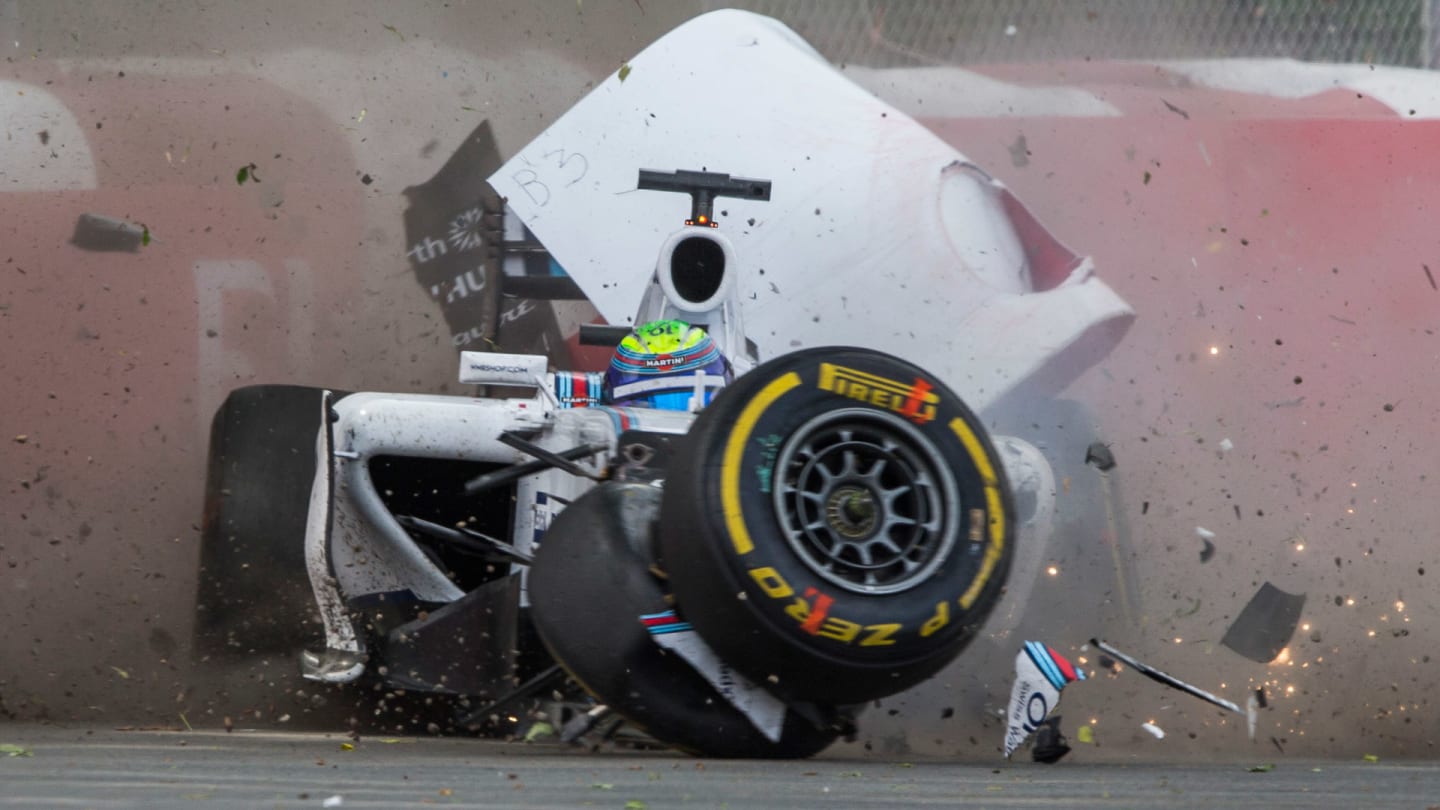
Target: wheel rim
[[864, 500]]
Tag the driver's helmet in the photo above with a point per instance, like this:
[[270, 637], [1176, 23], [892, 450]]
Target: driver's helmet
[[660, 365]]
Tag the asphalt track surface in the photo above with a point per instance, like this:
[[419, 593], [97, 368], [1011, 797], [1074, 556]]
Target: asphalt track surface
[[106, 768]]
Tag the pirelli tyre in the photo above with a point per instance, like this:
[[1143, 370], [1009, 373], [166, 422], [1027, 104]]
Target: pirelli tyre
[[841, 528], [253, 596]]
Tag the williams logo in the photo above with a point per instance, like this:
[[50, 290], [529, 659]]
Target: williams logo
[[916, 401]]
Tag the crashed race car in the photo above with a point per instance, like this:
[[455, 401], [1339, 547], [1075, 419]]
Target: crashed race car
[[731, 555], [745, 527]]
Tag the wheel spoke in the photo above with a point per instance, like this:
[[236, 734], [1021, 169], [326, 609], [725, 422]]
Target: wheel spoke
[[895, 521], [863, 552], [811, 495], [817, 526]]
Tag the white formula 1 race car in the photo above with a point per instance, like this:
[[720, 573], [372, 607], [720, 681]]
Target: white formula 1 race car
[[731, 555]]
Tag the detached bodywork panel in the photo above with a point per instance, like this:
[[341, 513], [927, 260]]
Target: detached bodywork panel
[[877, 229]]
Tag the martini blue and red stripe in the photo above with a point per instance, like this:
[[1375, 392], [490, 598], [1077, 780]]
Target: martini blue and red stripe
[[1057, 669]]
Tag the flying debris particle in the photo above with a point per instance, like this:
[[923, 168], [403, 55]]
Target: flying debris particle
[[624, 71], [122, 673], [361, 116], [22, 438], [1085, 734], [1145, 508], [1389, 406], [1147, 178], [101, 233], [1035, 664], [45, 141], [1168, 679], [1266, 768], [12, 750], [1155, 731], [1099, 456], [145, 236], [1019, 152], [1430, 276], [1289, 403], [539, 731], [334, 801], [1226, 445], [1011, 30], [1264, 627], [1204, 533], [1050, 744], [396, 31], [1176, 110], [246, 172], [1372, 758], [366, 179]]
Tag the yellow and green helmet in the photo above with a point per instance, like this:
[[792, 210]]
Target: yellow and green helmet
[[666, 364]]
